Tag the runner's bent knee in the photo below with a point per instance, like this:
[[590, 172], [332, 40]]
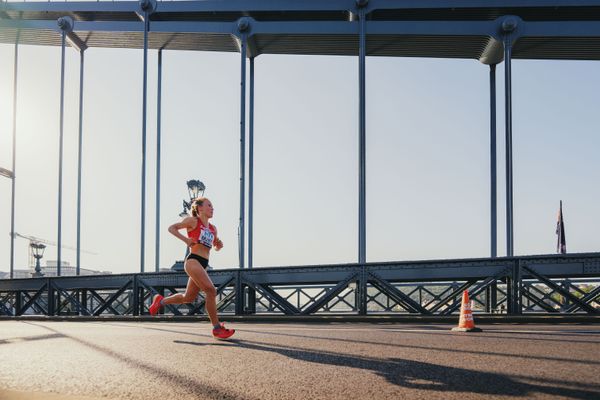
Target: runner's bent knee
[[210, 290]]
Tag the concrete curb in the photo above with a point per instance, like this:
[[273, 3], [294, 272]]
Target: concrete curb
[[376, 319]]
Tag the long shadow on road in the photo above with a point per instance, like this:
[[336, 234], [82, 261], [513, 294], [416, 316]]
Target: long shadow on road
[[30, 338], [411, 346], [401, 372], [430, 348], [202, 390], [422, 375]]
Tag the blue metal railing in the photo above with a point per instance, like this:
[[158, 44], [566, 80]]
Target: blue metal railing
[[566, 284]]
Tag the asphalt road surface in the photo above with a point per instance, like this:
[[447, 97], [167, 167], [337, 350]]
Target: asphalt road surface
[[166, 360]]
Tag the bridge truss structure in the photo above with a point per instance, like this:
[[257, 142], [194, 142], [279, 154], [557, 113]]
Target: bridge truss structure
[[491, 31], [567, 284]]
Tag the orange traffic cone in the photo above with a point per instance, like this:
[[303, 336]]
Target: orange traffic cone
[[466, 322]]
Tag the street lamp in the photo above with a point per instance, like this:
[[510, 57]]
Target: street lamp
[[37, 249], [195, 189]]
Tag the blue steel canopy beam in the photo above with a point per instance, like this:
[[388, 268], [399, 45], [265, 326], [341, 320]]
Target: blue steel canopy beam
[[71, 6], [25, 24], [257, 5], [410, 28], [424, 4], [560, 29], [459, 28], [304, 28], [186, 6], [159, 26], [290, 5]]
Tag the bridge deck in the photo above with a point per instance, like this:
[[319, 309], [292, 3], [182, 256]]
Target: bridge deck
[[77, 360]]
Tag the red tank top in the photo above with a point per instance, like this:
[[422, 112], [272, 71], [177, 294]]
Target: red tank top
[[202, 234]]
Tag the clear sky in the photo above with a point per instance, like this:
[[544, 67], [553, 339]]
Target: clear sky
[[427, 155]]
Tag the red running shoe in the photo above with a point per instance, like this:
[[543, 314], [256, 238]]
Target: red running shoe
[[222, 332], [155, 306]]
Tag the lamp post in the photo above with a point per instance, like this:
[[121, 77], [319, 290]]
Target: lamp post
[[10, 175], [37, 249], [195, 189]]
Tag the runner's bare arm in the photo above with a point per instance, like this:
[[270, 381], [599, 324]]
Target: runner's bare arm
[[186, 223], [217, 241]]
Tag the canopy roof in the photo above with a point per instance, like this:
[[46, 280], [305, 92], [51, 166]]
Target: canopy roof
[[547, 29]]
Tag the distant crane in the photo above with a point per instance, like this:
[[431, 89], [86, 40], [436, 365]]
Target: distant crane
[[33, 239]]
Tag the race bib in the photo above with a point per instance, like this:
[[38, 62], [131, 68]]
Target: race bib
[[206, 237]]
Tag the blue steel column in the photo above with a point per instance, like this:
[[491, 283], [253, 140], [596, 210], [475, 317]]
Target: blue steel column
[[493, 177], [508, 26], [146, 7], [79, 159], [491, 291], [251, 164], [251, 300], [158, 114], [243, 26], [362, 242], [64, 25], [14, 159]]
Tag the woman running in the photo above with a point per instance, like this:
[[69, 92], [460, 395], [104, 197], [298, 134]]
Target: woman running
[[201, 235]]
